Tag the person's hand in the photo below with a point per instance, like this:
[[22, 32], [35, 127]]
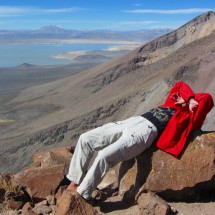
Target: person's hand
[[179, 101], [193, 104]]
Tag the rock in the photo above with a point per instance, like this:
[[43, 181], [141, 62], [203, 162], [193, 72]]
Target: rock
[[13, 194], [110, 181], [53, 207], [179, 179], [42, 209], [10, 212], [127, 178], [41, 182], [27, 209], [7, 184], [55, 160], [50, 200], [151, 204], [108, 186], [60, 192], [72, 203], [52, 157], [44, 202], [13, 204]]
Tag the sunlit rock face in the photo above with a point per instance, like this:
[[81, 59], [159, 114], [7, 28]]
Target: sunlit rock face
[[191, 176]]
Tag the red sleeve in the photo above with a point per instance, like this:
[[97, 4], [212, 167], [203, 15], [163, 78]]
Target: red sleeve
[[206, 103]]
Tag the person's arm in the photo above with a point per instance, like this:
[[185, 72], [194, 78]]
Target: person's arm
[[205, 104], [200, 104]]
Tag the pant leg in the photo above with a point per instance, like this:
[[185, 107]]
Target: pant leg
[[88, 143], [134, 140], [92, 141]]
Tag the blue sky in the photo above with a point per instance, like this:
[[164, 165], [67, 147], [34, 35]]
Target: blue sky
[[100, 14]]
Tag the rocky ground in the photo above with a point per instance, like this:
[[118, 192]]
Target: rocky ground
[[133, 187], [110, 207], [194, 208]]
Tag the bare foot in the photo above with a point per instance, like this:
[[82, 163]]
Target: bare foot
[[72, 187]]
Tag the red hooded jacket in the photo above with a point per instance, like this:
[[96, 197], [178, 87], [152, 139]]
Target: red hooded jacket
[[174, 137]]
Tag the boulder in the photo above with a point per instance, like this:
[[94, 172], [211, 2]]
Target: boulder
[[41, 182], [151, 204], [189, 177], [71, 203], [48, 169], [52, 157]]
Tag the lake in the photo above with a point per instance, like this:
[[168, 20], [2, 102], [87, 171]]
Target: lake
[[42, 54]]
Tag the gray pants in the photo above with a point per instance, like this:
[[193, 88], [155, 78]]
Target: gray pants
[[115, 142]]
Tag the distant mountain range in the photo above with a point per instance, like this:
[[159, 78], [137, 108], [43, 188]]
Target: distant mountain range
[[56, 32]]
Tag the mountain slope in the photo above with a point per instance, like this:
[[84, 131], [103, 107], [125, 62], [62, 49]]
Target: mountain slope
[[127, 86]]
